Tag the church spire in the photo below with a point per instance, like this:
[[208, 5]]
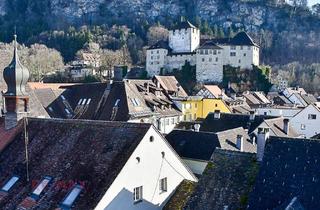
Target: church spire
[[16, 99]]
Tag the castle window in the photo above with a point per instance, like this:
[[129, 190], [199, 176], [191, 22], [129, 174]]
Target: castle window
[[232, 54], [233, 47], [249, 48], [214, 52], [202, 59], [151, 51], [163, 185], [157, 51], [239, 61], [241, 48], [210, 59], [244, 54], [216, 59]]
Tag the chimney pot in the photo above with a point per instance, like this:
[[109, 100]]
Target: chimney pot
[[286, 126], [263, 135], [240, 142]]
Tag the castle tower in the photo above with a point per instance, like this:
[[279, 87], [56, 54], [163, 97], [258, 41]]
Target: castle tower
[[16, 98], [185, 37]]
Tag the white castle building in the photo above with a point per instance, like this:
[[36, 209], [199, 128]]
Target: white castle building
[[209, 56]]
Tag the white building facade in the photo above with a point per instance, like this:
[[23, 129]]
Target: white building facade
[[209, 56], [142, 186]]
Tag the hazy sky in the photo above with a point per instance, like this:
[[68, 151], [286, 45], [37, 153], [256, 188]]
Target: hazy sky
[[312, 2]]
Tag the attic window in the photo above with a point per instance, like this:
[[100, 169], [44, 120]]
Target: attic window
[[41, 186], [135, 101], [84, 101], [151, 138], [10, 183], [80, 101], [72, 196]]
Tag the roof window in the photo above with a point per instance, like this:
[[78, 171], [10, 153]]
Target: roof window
[[84, 101], [88, 101], [40, 187], [12, 181], [63, 98], [80, 101], [72, 196]]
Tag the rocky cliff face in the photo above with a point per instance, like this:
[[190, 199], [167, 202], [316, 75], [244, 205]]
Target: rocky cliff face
[[277, 28]]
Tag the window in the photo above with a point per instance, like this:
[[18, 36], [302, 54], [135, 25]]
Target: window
[[167, 121], [151, 51], [206, 52], [249, 48], [137, 194], [158, 57], [88, 101], [232, 54], [151, 57], [157, 51], [40, 187], [10, 183], [303, 126], [163, 185], [72, 196], [202, 59], [172, 120], [151, 63], [194, 116], [210, 59], [312, 116], [233, 47], [214, 52], [80, 101], [216, 59], [239, 61], [244, 54], [241, 48]]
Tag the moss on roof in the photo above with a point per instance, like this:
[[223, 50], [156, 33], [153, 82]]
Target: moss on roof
[[181, 196]]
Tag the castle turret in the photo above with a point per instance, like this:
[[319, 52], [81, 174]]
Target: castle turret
[[16, 98]]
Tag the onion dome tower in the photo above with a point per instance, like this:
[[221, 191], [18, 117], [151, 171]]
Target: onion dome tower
[[16, 98]]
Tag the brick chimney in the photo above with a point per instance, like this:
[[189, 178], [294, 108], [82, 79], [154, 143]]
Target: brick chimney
[[286, 126], [263, 135], [240, 142]]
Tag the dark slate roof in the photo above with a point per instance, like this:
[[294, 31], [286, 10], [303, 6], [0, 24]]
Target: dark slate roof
[[142, 91], [276, 126], [240, 39], [186, 125], [201, 145], [69, 150], [209, 45], [290, 168], [226, 181], [293, 204], [181, 195], [91, 94], [193, 145], [228, 121], [162, 44], [183, 25]]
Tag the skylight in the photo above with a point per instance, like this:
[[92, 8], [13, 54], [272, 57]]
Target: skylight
[[10, 183], [72, 196], [63, 98], [135, 101], [41, 186], [88, 101], [80, 101], [84, 101], [117, 102]]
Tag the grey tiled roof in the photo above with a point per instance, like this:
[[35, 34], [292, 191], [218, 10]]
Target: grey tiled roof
[[93, 152], [226, 182], [290, 168]]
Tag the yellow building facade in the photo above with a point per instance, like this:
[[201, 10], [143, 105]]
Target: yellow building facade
[[196, 107]]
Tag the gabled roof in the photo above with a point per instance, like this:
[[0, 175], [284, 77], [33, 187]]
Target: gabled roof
[[240, 39], [229, 121], [201, 145], [171, 85], [290, 168], [183, 25], [91, 152], [276, 126], [226, 181], [213, 90], [209, 44]]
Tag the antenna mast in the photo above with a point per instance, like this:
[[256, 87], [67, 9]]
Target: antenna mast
[[26, 142]]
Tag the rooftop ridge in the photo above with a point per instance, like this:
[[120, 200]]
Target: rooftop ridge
[[232, 152], [85, 121]]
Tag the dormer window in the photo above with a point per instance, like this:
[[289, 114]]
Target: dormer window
[[10, 183], [69, 200]]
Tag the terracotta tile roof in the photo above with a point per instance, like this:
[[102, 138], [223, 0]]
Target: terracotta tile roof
[[69, 151], [214, 90], [171, 85]]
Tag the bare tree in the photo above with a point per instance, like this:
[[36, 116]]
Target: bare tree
[[157, 33]]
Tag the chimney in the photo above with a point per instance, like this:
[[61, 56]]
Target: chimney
[[118, 73], [286, 126], [216, 114], [197, 127], [263, 135], [252, 115], [240, 142]]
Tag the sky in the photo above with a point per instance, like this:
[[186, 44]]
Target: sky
[[312, 2]]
